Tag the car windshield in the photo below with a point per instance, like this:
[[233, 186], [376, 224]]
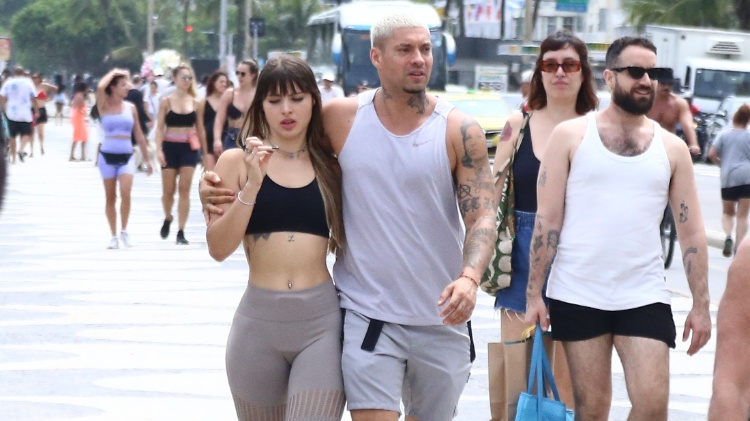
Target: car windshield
[[482, 108]]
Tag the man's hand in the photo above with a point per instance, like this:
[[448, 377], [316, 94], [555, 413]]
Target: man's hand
[[695, 150], [699, 322], [461, 296], [211, 194], [536, 312]]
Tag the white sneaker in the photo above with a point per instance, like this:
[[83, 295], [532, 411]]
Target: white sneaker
[[113, 244], [125, 238]]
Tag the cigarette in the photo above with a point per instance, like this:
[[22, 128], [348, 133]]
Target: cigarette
[[274, 147]]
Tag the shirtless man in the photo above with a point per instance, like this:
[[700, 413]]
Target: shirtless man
[[731, 389], [669, 109], [606, 295]]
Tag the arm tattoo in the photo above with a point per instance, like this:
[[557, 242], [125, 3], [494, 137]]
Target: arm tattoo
[[688, 264], [467, 124], [463, 191], [506, 133], [543, 178], [419, 102], [478, 240], [538, 242], [553, 239], [683, 212]]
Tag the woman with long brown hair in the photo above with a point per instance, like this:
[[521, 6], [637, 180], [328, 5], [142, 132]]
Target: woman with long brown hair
[[284, 349], [216, 85]]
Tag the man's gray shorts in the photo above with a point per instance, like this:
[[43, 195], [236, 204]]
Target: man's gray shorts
[[425, 366]]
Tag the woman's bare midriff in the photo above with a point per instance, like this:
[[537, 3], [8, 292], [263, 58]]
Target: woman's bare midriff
[[286, 260]]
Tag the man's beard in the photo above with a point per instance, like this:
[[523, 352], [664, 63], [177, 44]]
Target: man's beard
[[629, 103]]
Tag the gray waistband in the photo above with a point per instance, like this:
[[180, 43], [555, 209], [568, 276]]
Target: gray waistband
[[287, 306]]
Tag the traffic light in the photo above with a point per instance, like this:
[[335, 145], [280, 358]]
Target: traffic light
[[188, 28]]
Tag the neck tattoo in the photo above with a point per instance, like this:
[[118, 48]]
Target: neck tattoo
[[290, 155]]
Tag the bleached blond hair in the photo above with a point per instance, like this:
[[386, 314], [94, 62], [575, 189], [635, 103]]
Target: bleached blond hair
[[384, 28]]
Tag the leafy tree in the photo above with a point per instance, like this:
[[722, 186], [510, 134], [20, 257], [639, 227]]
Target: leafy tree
[[116, 19], [48, 36], [286, 23], [44, 42], [707, 13], [8, 8]]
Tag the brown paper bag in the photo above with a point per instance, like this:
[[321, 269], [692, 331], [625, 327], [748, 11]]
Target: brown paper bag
[[508, 372]]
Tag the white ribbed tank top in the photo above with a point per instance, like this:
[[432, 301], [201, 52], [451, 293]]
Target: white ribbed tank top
[[609, 254], [404, 234]]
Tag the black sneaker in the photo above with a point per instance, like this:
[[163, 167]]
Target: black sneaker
[[22, 156], [727, 252], [165, 229], [181, 238]]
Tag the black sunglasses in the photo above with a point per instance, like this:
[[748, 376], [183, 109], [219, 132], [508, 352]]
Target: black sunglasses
[[637, 72], [243, 74]]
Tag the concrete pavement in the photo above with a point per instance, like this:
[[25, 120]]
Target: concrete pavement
[[139, 334]]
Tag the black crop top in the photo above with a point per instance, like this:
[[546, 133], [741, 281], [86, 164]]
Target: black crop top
[[233, 112], [278, 208], [525, 173], [180, 120]]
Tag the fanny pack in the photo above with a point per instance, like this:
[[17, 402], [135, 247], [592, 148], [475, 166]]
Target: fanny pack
[[118, 159]]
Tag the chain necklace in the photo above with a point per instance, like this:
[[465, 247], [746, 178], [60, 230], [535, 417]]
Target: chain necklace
[[290, 155]]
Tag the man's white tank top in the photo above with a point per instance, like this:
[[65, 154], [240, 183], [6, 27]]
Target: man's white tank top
[[404, 234], [609, 254]]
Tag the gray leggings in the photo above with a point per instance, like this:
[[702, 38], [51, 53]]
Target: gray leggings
[[284, 355]]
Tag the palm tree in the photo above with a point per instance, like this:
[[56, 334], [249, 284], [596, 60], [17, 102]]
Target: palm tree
[[109, 14], [709, 13]]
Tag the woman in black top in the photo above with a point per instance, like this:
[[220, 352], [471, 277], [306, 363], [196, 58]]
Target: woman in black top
[[561, 89], [284, 350], [180, 140], [215, 87], [235, 103]]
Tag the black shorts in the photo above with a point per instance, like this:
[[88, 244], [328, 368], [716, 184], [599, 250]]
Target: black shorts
[[179, 154], [571, 322], [19, 128], [41, 118], [736, 193]]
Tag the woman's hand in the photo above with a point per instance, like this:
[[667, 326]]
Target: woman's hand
[[160, 157], [256, 160], [218, 149]]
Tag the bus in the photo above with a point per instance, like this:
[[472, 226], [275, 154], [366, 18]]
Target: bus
[[339, 41]]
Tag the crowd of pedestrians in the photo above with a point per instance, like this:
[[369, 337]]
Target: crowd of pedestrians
[[396, 182]]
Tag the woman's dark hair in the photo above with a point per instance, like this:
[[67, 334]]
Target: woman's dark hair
[[587, 99], [289, 75], [112, 83], [742, 116], [211, 83]]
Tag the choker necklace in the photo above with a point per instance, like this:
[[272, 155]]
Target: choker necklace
[[290, 155]]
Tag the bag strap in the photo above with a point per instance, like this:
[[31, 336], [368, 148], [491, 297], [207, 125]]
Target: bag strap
[[540, 369], [516, 145]]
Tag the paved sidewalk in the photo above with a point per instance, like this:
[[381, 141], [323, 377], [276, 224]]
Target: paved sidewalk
[[139, 334]]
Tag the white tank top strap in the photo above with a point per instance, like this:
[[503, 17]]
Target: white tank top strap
[[366, 97]]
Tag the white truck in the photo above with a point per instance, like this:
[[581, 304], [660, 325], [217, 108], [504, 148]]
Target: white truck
[[711, 64]]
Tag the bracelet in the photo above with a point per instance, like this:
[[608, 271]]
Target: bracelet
[[463, 275], [242, 201]]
